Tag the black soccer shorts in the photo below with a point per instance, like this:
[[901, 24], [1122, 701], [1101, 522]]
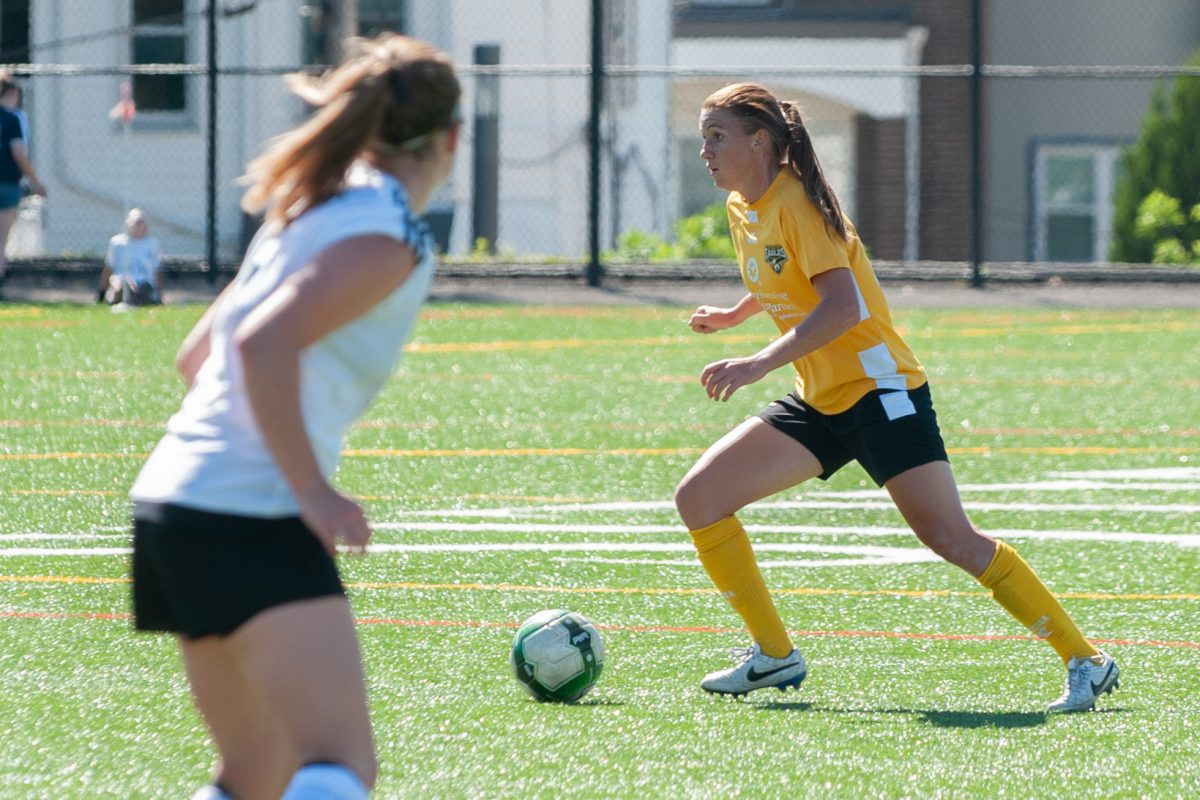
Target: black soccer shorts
[[199, 573], [887, 432]]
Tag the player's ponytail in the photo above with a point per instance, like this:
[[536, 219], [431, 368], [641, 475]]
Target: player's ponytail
[[392, 97], [758, 109], [802, 158]]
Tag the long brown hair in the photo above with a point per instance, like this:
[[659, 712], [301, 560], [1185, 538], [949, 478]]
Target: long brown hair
[[757, 109], [393, 95]]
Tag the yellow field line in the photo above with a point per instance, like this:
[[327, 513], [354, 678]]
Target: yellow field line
[[73, 579], [629, 590], [1084, 450], [508, 498], [569, 344], [1077, 329], [39, 324], [429, 424], [524, 451], [437, 313], [81, 423], [66, 456], [741, 338], [87, 373], [65, 492]]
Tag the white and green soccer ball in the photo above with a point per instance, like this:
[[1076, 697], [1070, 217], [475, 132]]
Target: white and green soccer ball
[[557, 655]]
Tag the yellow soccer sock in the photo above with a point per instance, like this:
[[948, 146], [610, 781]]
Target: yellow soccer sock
[[725, 552], [1017, 588]]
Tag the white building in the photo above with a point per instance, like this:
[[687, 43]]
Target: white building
[[896, 147], [95, 168]]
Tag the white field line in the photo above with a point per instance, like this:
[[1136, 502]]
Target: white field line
[[889, 554], [40, 552], [875, 501], [122, 533], [1178, 478], [859, 555], [1154, 473], [1179, 539]]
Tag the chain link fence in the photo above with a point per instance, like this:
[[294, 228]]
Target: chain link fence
[[964, 138]]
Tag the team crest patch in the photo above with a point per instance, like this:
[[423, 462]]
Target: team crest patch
[[775, 256]]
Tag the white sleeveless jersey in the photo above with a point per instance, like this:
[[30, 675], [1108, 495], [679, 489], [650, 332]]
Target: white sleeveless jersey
[[213, 456]]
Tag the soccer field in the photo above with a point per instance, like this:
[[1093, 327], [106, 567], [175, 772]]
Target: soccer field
[[524, 457]]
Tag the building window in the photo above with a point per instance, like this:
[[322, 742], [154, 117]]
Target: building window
[[1073, 186], [159, 37], [378, 16], [732, 3], [14, 32]]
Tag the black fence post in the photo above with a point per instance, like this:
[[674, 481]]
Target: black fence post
[[485, 199], [977, 222], [595, 270], [210, 244]]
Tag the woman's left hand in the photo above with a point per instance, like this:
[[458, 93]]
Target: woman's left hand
[[333, 517], [722, 378]]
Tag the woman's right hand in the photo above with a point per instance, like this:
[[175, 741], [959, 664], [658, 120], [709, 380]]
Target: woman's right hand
[[710, 319], [332, 516]]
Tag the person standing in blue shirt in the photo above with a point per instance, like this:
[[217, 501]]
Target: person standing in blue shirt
[[14, 164]]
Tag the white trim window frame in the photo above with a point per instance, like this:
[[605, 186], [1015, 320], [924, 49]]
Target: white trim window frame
[[1073, 183]]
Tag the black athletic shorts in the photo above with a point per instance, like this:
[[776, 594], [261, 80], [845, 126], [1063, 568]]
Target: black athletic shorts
[[887, 432], [199, 573]]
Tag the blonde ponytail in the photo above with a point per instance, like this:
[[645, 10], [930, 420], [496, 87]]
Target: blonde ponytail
[[802, 158], [392, 92]]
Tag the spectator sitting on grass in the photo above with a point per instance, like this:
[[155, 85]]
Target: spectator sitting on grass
[[131, 276]]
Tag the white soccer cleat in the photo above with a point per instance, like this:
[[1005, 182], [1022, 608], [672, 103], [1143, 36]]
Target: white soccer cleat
[[755, 670], [1086, 681]]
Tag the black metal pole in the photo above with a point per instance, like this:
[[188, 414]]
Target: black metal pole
[[485, 200], [976, 144], [595, 270], [211, 141]]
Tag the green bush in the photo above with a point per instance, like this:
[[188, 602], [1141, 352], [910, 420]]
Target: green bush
[[702, 235], [1165, 158], [1162, 226]]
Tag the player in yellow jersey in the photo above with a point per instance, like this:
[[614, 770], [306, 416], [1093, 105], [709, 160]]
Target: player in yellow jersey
[[860, 395]]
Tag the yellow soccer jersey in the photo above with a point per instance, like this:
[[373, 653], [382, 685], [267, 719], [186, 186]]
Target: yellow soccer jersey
[[782, 242]]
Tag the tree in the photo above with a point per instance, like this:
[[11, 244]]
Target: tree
[[1165, 158], [1162, 222]]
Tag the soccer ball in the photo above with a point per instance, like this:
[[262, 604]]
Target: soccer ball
[[557, 655]]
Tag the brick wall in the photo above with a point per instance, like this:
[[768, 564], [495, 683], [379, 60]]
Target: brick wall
[[945, 133], [879, 217]]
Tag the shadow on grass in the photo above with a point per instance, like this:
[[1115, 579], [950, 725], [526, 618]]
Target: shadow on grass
[[938, 718], [1005, 719], [590, 703], [985, 719]]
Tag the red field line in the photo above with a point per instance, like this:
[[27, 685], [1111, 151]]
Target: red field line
[[450, 623], [516, 587]]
